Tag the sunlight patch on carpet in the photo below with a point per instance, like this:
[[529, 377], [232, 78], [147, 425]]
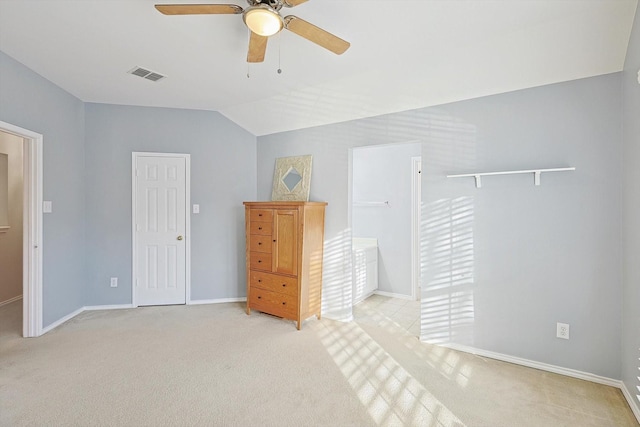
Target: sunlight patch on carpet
[[390, 394]]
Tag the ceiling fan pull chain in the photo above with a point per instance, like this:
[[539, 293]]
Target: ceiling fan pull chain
[[249, 63], [279, 46]]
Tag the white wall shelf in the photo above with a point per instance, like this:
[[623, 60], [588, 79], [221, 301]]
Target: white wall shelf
[[536, 174], [372, 204]]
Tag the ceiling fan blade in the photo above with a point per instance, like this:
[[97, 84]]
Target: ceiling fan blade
[[199, 9], [292, 3], [257, 47], [316, 35]]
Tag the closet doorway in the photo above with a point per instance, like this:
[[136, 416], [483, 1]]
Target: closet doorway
[[23, 233], [385, 220], [11, 216]]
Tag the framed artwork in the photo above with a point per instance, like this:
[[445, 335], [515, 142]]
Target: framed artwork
[[292, 179]]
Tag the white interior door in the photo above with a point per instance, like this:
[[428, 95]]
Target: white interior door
[[160, 230]]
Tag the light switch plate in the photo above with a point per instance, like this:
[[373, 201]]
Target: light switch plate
[[196, 209], [47, 206]]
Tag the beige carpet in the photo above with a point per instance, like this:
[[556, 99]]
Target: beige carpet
[[214, 365]]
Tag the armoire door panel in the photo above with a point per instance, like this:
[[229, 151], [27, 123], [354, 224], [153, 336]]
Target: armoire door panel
[[285, 257]]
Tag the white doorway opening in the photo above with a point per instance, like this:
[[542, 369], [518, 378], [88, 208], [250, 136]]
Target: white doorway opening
[[384, 219], [32, 229]]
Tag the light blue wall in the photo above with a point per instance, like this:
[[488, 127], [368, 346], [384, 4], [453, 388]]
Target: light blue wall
[[98, 199], [520, 257], [631, 223], [29, 101], [223, 175], [501, 264], [383, 173]]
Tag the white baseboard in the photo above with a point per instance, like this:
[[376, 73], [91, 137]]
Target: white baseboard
[[9, 301], [631, 400], [392, 295], [363, 297], [533, 364], [107, 307], [216, 301], [348, 318], [61, 321], [115, 307]]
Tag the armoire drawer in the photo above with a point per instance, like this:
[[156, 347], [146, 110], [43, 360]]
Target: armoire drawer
[[274, 282], [261, 215], [260, 261], [260, 243], [275, 303], [263, 228]]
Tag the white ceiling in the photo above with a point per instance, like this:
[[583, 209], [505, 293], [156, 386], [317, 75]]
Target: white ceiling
[[404, 54]]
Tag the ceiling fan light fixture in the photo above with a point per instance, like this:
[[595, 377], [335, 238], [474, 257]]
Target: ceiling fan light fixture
[[262, 20]]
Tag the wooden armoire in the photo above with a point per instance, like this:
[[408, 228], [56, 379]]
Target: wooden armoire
[[284, 258]]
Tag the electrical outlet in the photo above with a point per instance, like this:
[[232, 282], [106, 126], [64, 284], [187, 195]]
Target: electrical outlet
[[562, 330], [114, 282]]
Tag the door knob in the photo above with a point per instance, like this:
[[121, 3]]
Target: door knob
[[180, 237]]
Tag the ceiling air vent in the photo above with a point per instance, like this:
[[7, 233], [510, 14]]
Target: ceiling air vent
[[146, 74]]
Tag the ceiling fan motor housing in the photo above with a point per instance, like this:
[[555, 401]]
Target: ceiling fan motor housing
[[274, 4]]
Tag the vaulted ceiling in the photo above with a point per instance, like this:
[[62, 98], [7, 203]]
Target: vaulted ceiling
[[404, 54]]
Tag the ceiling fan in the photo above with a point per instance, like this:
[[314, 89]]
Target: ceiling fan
[[263, 18]]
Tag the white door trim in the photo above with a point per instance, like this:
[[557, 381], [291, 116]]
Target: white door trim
[[416, 203], [187, 204], [32, 229]]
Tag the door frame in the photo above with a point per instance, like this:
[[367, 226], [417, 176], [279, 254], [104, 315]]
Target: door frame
[[32, 243], [187, 203], [416, 213]]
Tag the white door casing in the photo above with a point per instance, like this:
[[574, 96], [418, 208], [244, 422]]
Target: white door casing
[[32, 230], [160, 229], [416, 208]]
